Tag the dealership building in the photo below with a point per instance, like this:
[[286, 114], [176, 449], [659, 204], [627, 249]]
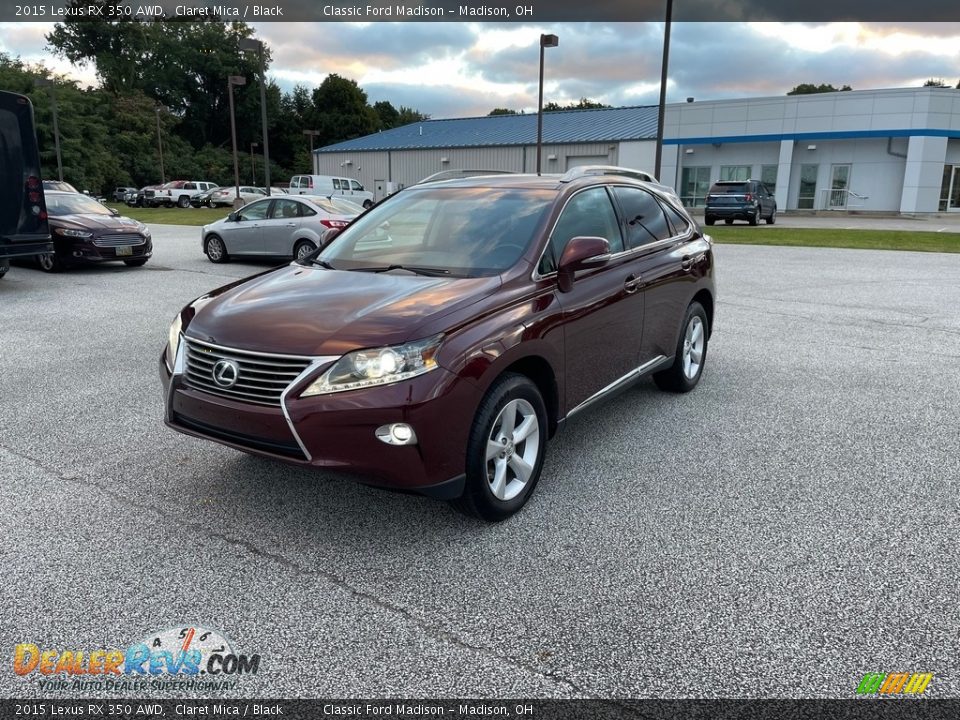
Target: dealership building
[[868, 150]]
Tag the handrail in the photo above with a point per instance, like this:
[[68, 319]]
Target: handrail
[[841, 199]]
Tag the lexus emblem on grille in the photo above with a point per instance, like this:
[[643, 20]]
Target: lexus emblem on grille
[[225, 373]]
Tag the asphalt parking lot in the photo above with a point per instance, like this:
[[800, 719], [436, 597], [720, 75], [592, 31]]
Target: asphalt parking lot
[[784, 529]]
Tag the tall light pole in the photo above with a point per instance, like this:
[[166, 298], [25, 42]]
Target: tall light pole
[[312, 134], [40, 82], [663, 90], [252, 45], [253, 167], [545, 42], [231, 81], [163, 177]]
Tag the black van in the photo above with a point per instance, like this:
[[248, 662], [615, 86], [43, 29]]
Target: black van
[[23, 213], [748, 200]]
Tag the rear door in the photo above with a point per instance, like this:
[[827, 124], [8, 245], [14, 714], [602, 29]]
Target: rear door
[[277, 231], [667, 263], [23, 213]]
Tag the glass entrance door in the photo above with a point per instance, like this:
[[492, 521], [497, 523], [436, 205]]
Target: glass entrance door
[[950, 190], [839, 186]]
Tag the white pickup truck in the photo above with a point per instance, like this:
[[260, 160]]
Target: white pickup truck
[[176, 193]]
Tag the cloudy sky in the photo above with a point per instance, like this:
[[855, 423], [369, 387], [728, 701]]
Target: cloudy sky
[[456, 69]]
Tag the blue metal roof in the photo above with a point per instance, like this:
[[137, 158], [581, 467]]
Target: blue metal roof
[[565, 126]]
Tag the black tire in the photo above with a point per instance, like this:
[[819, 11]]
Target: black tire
[[773, 217], [709, 219], [136, 262], [303, 247], [755, 218], [50, 262], [367, 204], [218, 252], [728, 221], [4, 267], [478, 499], [676, 377], [184, 201]]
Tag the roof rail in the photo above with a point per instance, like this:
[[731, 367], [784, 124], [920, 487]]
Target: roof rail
[[586, 170], [457, 174]]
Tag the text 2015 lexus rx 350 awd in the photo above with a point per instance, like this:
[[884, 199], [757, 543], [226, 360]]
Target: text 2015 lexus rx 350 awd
[[438, 342]]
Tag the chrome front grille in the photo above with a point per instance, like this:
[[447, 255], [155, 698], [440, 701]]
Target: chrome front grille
[[119, 240], [261, 377]]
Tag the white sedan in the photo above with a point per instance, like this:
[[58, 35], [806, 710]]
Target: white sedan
[[226, 195], [283, 226]]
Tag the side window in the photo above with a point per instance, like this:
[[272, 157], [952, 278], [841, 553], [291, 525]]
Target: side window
[[189, 186], [336, 183], [354, 185], [643, 215], [285, 209], [677, 220], [590, 213], [255, 211], [306, 210], [294, 183]]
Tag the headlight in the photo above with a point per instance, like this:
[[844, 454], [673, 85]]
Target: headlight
[[173, 341], [379, 366], [68, 232]]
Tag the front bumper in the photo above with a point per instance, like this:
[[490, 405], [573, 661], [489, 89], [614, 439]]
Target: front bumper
[[88, 251], [337, 431]]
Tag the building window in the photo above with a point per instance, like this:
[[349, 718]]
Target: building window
[[734, 172], [768, 176], [694, 184], [808, 186]]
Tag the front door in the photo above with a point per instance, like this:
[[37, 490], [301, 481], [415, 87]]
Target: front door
[[839, 187], [603, 312]]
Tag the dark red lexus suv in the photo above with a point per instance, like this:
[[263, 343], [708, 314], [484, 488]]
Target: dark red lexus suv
[[441, 339]]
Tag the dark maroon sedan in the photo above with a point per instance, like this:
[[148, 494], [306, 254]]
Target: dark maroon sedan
[[85, 230], [439, 341]]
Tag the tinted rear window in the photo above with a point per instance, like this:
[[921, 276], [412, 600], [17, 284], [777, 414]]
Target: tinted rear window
[[729, 189]]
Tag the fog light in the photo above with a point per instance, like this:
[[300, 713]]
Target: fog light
[[397, 434]]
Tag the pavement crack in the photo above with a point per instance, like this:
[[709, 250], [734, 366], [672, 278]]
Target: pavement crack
[[245, 545]]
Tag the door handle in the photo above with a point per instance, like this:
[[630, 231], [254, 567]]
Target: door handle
[[290, 224], [632, 284], [686, 263]]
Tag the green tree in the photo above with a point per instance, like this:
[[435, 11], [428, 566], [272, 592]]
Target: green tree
[[341, 110], [582, 104], [811, 89], [935, 82], [409, 115], [501, 111]]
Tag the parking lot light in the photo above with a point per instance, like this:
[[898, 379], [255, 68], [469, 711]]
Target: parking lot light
[[231, 81], [256, 46], [545, 42]]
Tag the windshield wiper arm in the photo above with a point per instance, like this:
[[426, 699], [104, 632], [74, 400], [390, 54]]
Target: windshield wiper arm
[[322, 263], [419, 270]]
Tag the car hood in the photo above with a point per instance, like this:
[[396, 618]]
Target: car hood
[[299, 310], [96, 223]]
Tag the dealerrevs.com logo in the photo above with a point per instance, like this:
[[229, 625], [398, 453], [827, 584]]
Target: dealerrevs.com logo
[[184, 658], [894, 683]]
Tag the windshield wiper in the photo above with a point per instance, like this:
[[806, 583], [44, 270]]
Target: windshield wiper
[[322, 263], [429, 271]]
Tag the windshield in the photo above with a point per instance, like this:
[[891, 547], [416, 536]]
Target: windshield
[[58, 205], [334, 205], [466, 232]]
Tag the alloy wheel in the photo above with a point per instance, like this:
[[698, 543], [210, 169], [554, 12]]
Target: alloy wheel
[[512, 449], [693, 348]]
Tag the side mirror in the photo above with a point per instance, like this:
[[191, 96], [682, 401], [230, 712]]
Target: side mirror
[[114, 212], [328, 235], [232, 217], [582, 252]]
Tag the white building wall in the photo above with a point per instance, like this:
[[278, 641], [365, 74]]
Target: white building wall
[[924, 174]]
